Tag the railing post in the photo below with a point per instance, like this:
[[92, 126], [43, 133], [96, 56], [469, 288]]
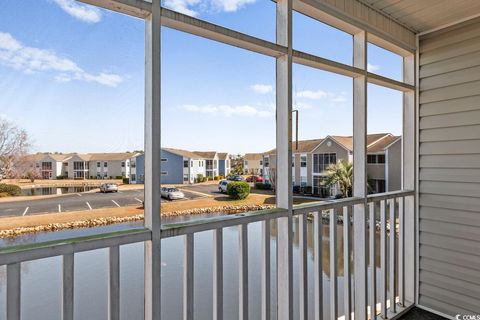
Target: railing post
[[409, 177], [360, 174], [152, 253], [13, 291], [284, 161]]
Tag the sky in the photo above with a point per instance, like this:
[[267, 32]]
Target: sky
[[72, 75]]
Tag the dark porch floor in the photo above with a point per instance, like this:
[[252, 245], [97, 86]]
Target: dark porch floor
[[419, 314]]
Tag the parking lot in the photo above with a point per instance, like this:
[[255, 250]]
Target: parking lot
[[79, 202]]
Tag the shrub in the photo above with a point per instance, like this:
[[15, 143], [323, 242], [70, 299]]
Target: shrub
[[307, 190], [263, 186], [126, 180], [200, 177], [216, 178], [4, 195], [61, 177], [238, 190], [118, 177], [10, 189], [296, 189]]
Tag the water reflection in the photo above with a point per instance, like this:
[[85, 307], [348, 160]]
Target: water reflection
[[55, 190], [41, 279]]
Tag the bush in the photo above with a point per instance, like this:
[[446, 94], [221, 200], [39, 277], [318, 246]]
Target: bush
[[216, 178], [4, 195], [200, 178], [263, 186], [307, 190], [296, 189], [10, 189], [61, 177], [126, 180], [238, 190], [118, 177]]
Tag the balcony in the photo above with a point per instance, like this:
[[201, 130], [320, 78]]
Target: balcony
[[366, 257]]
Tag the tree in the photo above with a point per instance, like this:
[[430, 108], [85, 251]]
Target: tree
[[14, 144], [341, 174]]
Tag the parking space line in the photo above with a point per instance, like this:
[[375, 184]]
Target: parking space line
[[116, 203], [139, 200], [59, 208], [25, 212], [78, 194], [89, 206]]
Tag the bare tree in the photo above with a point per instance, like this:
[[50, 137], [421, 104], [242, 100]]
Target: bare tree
[[272, 177], [14, 144]]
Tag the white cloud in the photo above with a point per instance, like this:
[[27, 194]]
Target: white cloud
[[195, 7], [228, 111], [230, 5], [183, 6], [372, 67], [262, 88], [30, 60], [83, 12], [315, 95]]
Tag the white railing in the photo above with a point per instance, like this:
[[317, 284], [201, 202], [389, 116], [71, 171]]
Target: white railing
[[384, 211]]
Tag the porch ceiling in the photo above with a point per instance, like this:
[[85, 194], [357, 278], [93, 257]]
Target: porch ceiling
[[425, 15]]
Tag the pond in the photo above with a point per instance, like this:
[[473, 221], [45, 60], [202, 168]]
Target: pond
[[55, 190], [41, 279]]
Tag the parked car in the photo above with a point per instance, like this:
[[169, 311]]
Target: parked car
[[171, 193], [254, 179], [222, 186], [236, 178], [108, 187]]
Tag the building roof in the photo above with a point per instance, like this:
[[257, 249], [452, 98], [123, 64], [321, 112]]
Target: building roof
[[206, 154], [223, 155], [373, 140], [383, 144], [183, 153], [304, 146], [253, 156], [110, 156]]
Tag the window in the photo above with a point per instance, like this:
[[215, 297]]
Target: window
[[132, 177], [98, 164], [46, 166], [164, 173], [164, 159], [322, 161], [191, 163], [246, 162], [65, 164], [185, 163], [78, 165], [266, 162], [303, 181], [293, 161], [185, 176], [376, 158], [123, 164], [303, 161], [105, 164]]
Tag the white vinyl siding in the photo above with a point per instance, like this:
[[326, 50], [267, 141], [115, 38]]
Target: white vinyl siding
[[449, 173]]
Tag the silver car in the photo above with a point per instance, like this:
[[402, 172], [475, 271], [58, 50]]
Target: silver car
[[171, 193], [108, 187]]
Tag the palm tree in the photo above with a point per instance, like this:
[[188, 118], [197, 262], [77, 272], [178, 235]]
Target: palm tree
[[341, 174]]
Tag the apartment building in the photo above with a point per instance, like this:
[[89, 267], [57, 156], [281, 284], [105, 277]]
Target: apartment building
[[81, 166], [211, 162], [311, 158], [224, 164], [253, 163]]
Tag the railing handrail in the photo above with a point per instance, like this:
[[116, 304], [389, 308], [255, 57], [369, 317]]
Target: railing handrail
[[46, 249], [39, 250]]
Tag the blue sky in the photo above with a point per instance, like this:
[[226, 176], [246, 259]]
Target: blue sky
[[73, 77]]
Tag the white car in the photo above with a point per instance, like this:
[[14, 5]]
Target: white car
[[222, 186], [171, 193], [108, 187]]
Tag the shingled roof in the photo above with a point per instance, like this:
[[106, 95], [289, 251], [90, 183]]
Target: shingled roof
[[183, 153], [253, 156], [206, 154]]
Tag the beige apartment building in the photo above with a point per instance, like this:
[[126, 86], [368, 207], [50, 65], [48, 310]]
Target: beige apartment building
[[253, 163], [311, 158]]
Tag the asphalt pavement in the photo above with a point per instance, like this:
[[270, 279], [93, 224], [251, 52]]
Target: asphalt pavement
[[78, 202]]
